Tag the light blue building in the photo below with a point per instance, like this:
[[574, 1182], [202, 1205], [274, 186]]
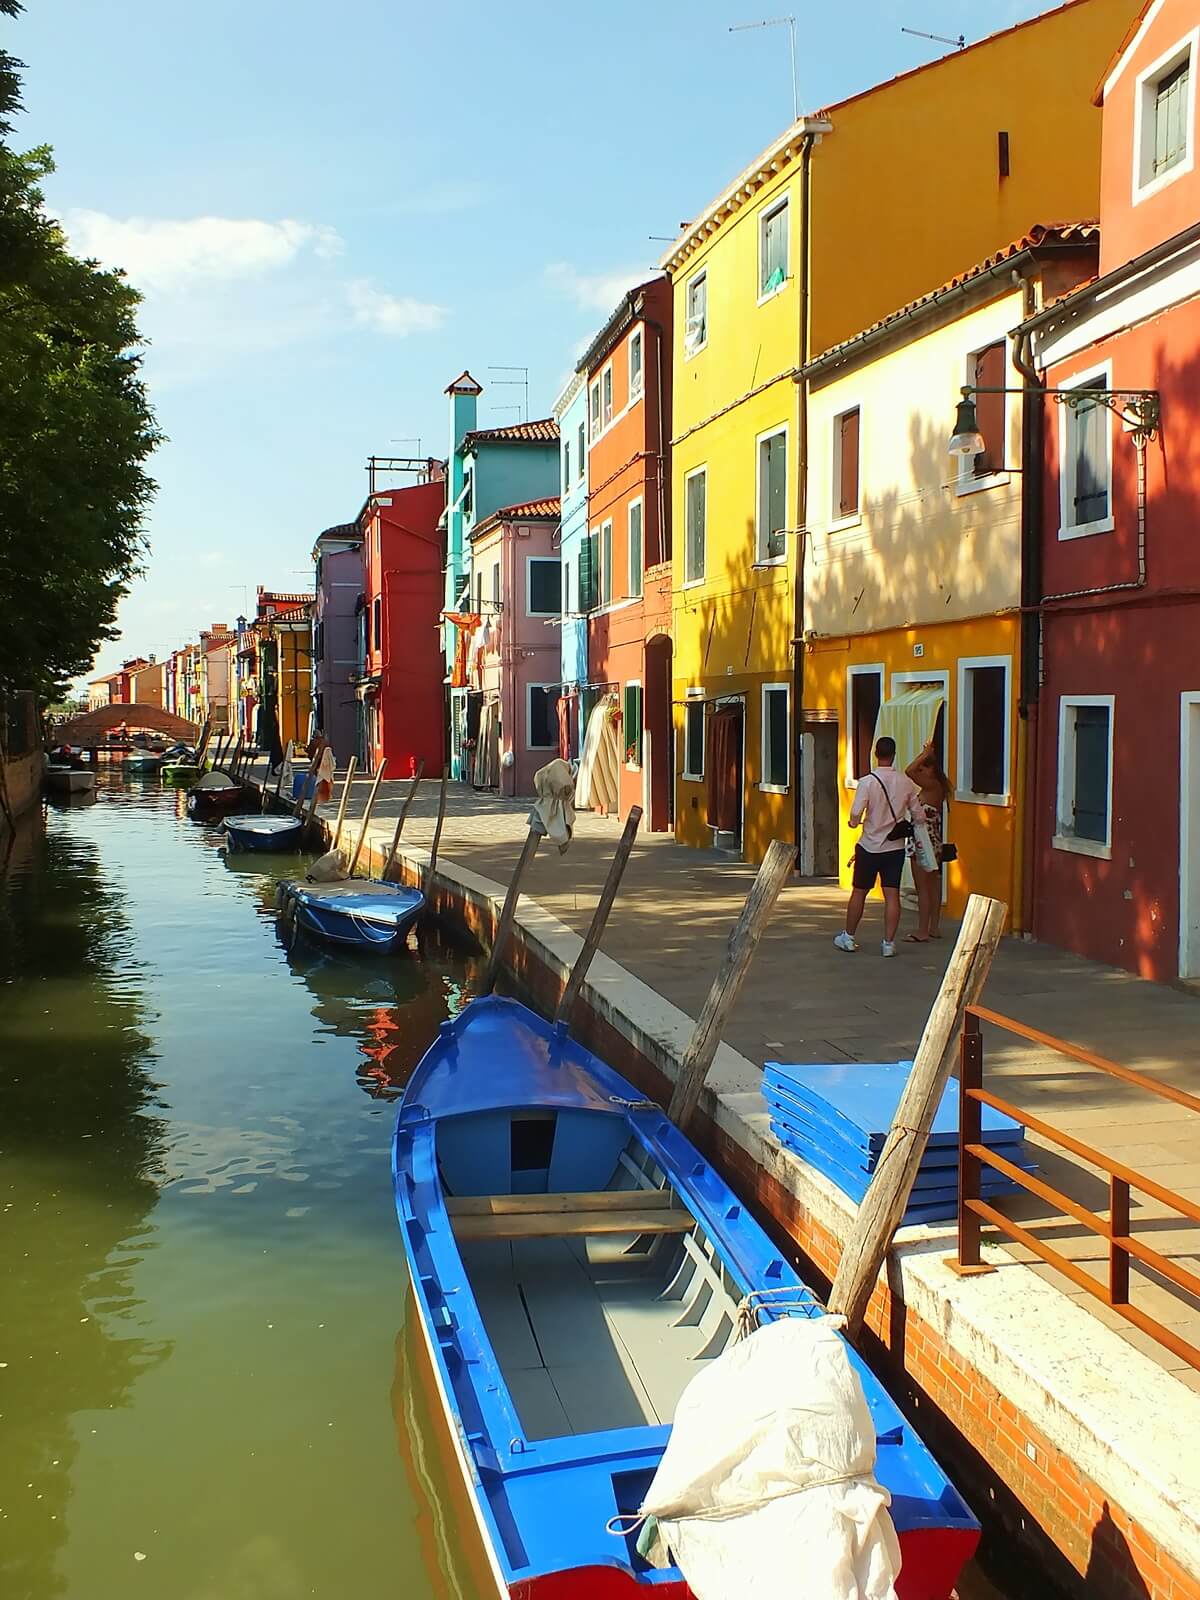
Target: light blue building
[[488, 469], [570, 410]]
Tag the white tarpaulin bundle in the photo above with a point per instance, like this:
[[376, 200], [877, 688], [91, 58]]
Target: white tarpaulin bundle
[[597, 778], [554, 813], [214, 780], [766, 1486]]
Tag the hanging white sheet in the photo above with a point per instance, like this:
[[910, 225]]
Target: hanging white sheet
[[910, 719], [596, 781]]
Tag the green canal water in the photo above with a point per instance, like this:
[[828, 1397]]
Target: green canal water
[[204, 1394], [201, 1282]]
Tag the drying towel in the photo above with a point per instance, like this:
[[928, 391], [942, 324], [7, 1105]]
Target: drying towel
[[325, 771], [554, 812]]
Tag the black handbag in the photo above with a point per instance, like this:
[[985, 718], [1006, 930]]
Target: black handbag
[[901, 831], [949, 852]]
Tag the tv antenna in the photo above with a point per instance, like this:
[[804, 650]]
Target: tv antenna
[[939, 38], [778, 22], [521, 383]]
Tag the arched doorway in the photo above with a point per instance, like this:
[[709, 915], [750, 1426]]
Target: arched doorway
[[660, 736]]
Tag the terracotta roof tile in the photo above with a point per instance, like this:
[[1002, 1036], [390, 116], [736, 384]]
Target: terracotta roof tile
[[543, 431], [528, 510]]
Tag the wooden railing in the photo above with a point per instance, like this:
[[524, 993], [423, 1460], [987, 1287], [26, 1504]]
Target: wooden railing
[[973, 1211]]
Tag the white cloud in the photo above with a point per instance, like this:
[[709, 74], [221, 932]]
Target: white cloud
[[595, 291], [168, 254], [389, 313]]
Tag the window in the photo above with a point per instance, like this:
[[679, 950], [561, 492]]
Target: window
[[1086, 463], [589, 572], [988, 369], [377, 622], [635, 549], [1085, 741], [594, 400], [695, 494], [636, 375], [606, 409], [468, 494], [771, 539], [545, 586], [693, 739], [864, 696], [631, 724], [496, 583], [772, 249], [1165, 116], [846, 431], [983, 728], [566, 478], [695, 334], [542, 716], [566, 583], [581, 454], [775, 737], [319, 642], [606, 570]]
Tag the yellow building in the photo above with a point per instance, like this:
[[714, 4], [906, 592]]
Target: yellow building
[[914, 559], [848, 215]]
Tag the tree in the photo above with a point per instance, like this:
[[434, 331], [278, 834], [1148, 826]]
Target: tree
[[75, 431]]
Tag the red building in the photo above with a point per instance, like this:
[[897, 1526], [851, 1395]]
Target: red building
[[401, 686], [625, 568], [1115, 861]]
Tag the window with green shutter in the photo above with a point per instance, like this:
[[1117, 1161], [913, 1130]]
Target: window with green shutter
[[631, 724], [587, 573]]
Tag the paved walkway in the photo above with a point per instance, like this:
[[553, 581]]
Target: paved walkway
[[804, 1001]]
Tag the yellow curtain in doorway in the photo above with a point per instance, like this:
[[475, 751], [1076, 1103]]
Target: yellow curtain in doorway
[[910, 719]]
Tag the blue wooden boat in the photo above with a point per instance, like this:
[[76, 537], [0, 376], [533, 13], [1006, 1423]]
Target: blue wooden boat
[[363, 913], [256, 832], [573, 1261]]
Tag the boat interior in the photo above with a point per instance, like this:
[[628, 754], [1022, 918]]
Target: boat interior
[[601, 1303]]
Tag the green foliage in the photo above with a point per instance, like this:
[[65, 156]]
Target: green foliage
[[75, 427]]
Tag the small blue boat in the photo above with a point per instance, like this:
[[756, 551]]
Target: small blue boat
[[256, 832], [364, 913], [574, 1262]]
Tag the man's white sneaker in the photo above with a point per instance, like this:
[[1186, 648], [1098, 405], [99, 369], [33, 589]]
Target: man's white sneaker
[[846, 941], [887, 948]]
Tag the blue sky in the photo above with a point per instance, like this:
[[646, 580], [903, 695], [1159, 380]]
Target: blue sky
[[333, 210]]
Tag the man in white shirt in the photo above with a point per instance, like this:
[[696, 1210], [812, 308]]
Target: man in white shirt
[[883, 799]]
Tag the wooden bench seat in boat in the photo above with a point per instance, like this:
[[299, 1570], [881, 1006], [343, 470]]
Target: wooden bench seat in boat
[[548, 1216]]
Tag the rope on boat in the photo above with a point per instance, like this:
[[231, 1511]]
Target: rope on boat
[[633, 1105], [750, 1309]]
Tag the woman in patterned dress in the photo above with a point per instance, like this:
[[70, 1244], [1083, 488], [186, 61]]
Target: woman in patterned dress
[[927, 774]]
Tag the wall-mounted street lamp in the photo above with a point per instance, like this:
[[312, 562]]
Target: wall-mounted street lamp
[[1138, 409]]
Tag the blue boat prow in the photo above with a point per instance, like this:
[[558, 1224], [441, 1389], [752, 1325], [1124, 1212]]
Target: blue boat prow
[[574, 1261], [256, 832], [363, 914]]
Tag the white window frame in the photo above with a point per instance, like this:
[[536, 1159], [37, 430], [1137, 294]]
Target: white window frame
[[606, 398], [780, 203], [638, 337], [604, 555], [595, 423], [694, 701], [764, 725], [696, 472], [859, 669], [635, 585], [566, 489], [555, 683], [963, 790], [1066, 478], [582, 439], [1063, 838], [761, 558], [1145, 92], [967, 482], [529, 565], [854, 518], [694, 349]]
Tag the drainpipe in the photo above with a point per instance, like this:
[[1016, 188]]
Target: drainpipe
[[1033, 444], [798, 647]]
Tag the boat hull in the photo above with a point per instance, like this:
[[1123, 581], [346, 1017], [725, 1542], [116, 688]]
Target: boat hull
[[69, 780], [179, 777], [254, 833], [342, 919], [203, 803]]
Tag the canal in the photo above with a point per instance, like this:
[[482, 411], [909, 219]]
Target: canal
[[202, 1279], [203, 1388]]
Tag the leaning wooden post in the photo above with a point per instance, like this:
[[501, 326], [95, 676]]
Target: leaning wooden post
[[231, 771], [743, 942], [437, 833], [604, 905], [509, 912], [886, 1199], [216, 755], [202, 745], [341, 816], [408, 800], [283, 766], [298, 805], [362, 836]]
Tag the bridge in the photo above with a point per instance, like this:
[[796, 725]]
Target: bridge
[[92, 727]]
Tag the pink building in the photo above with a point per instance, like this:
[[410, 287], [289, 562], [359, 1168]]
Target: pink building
[[514, 672]]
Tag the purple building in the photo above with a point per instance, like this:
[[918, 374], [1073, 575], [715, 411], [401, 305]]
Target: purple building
[[338, 558]]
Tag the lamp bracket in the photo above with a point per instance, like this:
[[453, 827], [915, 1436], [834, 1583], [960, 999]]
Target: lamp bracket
[[1140, 410]]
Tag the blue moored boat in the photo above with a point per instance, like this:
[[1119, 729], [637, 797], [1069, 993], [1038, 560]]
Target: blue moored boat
[[256, 832], [574, 1261], [364, 913]]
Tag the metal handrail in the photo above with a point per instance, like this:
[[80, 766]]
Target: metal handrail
[[974, 1155]]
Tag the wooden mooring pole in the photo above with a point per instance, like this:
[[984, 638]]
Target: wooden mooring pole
[[341, 816], [437, 834], [283, 766], [408, 800], [604, 905], [509, 912], [886, 1199], [743, 942], [362, 835]]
